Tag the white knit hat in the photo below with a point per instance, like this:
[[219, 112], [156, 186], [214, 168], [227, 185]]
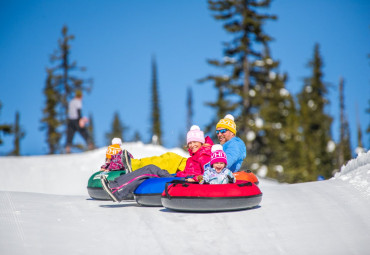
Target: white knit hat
[[117, 140], [195, 135]]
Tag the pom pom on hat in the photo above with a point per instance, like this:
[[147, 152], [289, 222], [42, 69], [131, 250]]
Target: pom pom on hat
[[216, 147], [195, 135], [230, 117], [117, 140], [228, 123], [218, 155]]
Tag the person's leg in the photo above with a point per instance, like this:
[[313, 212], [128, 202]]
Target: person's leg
[[85, 135], [169, 161], [125, 184], [71, 129]]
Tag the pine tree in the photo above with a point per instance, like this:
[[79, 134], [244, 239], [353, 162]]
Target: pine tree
[[238, 89], [90, 129], [5, 129], [315, 123], [65, 82], [344, 146], [156, 115], [137, 137], [18, 136], [274, 131], [189, 107], [51, 121], [117, 129], [368, 127]]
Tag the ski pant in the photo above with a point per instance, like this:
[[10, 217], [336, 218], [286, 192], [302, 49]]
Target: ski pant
[[170, 161], [74, 126], [126, 184]]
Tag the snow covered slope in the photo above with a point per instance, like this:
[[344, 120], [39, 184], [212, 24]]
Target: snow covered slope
[[64, 174], [45, 209]]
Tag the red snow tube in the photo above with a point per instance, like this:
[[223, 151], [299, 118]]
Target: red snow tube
[[184, 196]]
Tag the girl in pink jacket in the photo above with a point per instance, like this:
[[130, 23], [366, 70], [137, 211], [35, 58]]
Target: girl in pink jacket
[[200, 154]]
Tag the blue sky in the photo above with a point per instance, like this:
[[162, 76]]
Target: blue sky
[[115, 41]]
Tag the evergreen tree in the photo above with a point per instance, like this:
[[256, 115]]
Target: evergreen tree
[[117, 129], [65, 82], [156, 115], [238, 87], [137, 137], [255, 92], [274, 130], [50, 120], [189, 107], [360, 146], [344, 146], [315, 123], [5, 129], [90, 128], [182, 142], [18, 135], [368, 127]]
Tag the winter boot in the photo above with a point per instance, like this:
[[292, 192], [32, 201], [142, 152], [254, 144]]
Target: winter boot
[[126, 160], [105, 184]]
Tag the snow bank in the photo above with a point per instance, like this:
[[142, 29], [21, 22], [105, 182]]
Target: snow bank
[[357, 173], [65, 174]]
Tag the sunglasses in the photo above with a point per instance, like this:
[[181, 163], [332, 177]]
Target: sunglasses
[[222, 131]]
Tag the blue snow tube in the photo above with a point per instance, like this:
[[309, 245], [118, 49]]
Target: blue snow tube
[[149, 191]]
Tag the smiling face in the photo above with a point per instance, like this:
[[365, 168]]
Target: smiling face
[[224, 136], [218, 166], [194, 146]]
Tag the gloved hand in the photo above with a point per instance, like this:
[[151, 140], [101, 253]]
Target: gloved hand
[[200, 178]]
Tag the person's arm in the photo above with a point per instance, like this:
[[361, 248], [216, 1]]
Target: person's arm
[[104, 167], [206, 177], [231, 177], [232, 153], [79, 112]]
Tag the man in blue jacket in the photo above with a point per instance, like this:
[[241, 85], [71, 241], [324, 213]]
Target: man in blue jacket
[[233, 146]]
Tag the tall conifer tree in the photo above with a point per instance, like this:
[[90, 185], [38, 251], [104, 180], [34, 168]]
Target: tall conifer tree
[[19, 134], [315, 123], [344, 146], [65, 82], [51, 121], [368, 127], [117, 129], [241, 20], [137, 137], [238, 86], [156, 114], [189, 107], [90, 128], [5, 129], [254, 91], [276, 145]]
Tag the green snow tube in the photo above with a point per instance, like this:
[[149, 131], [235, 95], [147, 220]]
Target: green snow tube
[[94, 187]]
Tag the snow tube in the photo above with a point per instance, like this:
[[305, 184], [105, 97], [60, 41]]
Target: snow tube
[[193, 197], [246, 175], [149, 191], [94, 187]]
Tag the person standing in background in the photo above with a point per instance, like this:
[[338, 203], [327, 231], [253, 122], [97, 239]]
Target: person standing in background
[[76, 122]]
